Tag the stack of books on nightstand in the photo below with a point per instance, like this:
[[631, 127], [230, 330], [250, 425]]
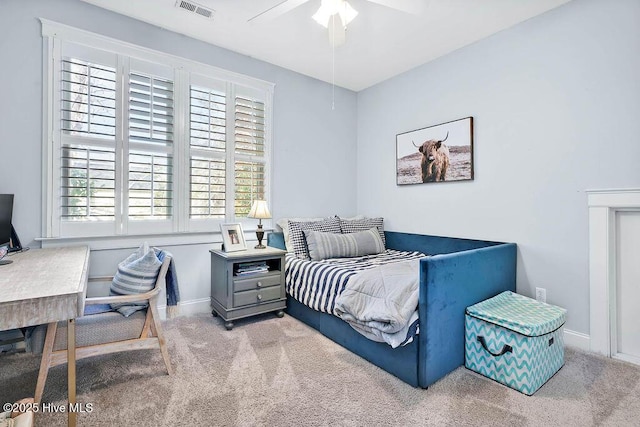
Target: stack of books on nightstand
[[246, 268]]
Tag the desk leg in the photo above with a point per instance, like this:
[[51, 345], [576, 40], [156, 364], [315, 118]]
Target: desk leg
[[71, 369], [46, 360]]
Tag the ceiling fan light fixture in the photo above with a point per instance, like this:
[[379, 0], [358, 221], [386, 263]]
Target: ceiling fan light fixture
[[328, 8], [337, 32]]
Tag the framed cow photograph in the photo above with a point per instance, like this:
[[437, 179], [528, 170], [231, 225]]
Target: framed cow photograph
[[438, 153]]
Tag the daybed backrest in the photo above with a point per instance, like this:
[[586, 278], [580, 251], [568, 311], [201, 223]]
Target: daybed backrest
[[432, 245]]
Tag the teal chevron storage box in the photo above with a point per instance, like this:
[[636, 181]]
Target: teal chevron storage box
[[515, 340]]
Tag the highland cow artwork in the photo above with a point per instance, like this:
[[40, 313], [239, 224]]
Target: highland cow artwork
[[438, 153]]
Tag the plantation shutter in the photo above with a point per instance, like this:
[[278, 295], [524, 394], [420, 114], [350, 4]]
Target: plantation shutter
[[88, 97], [249, 150], [207, 120], [207, 145], [88, 183], [88, 129], [250, 178], [150, 132], [150, 181]]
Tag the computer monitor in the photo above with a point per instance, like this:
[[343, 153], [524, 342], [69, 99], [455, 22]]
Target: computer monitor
[[6, 213]]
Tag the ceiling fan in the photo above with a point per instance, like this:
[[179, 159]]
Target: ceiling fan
[[335, 14]]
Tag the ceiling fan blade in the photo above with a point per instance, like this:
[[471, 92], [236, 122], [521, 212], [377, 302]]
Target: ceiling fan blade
[[409, 6], [279, 9]]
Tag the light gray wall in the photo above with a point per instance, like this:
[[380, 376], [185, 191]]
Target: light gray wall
[[556, 102], [314, 146]]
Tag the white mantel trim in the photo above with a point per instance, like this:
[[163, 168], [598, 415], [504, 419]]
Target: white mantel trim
[[603, 205]]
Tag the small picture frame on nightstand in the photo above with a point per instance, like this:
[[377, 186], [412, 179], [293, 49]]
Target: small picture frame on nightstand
[[233, 237]]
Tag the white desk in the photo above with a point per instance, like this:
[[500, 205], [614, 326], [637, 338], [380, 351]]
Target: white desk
[[46, 286]]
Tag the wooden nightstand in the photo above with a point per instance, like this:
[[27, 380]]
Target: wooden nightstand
[[236, 293]]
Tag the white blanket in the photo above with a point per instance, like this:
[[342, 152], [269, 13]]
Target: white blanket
[[381, 302]]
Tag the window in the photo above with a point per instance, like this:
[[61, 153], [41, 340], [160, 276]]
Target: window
[[141, 142]]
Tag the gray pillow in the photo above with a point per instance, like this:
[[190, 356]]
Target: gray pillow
[[296, 234], [330, 245], [354, 225]]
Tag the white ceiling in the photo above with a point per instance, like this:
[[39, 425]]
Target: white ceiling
[[381, 42]]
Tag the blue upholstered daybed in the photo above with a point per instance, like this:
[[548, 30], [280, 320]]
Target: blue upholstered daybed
[[460, 273]]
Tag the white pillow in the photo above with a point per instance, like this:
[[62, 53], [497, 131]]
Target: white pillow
[[352, 218], [283, 223]]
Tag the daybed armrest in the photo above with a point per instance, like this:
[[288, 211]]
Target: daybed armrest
[[448, 285], [276, 240]]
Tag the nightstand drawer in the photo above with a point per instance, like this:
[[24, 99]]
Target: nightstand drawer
[[256, 296], [255, 282]]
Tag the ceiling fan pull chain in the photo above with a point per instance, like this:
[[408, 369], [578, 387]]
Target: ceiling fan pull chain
[[333, 72]]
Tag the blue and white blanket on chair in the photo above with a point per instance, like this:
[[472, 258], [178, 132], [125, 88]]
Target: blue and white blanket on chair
[[172, 290]]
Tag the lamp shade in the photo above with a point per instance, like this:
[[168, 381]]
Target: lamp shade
[[259, 210]]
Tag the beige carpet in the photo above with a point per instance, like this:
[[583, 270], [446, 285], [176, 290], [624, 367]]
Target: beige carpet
[[271, 371]]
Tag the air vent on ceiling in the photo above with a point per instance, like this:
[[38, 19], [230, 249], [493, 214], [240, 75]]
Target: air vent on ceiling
[[195, 8]]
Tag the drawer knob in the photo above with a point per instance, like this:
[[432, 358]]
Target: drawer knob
[[259, 297], [259, 284]]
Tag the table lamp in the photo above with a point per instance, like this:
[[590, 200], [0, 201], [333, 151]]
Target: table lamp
[[261, 211]]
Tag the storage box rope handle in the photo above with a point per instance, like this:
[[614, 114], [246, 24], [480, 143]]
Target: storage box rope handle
[[505, 349]]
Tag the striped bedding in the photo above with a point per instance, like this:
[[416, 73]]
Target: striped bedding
[[317, 284]]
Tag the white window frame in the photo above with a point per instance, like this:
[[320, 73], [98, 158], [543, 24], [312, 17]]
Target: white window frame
[[184, 71]]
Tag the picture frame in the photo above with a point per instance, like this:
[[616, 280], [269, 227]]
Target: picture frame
[[435, 154], [233, 237]]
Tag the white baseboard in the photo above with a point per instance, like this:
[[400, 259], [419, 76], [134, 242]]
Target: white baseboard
[[577, 340], [188, 308], [627, 358]]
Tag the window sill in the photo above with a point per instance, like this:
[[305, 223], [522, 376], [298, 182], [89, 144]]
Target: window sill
[[134, 241]]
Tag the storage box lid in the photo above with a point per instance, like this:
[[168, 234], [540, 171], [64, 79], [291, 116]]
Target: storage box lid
[[519, 313]]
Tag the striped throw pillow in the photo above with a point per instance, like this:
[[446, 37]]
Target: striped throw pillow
[[352, 226], [330, 245], [296, 233], [137, 274]]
